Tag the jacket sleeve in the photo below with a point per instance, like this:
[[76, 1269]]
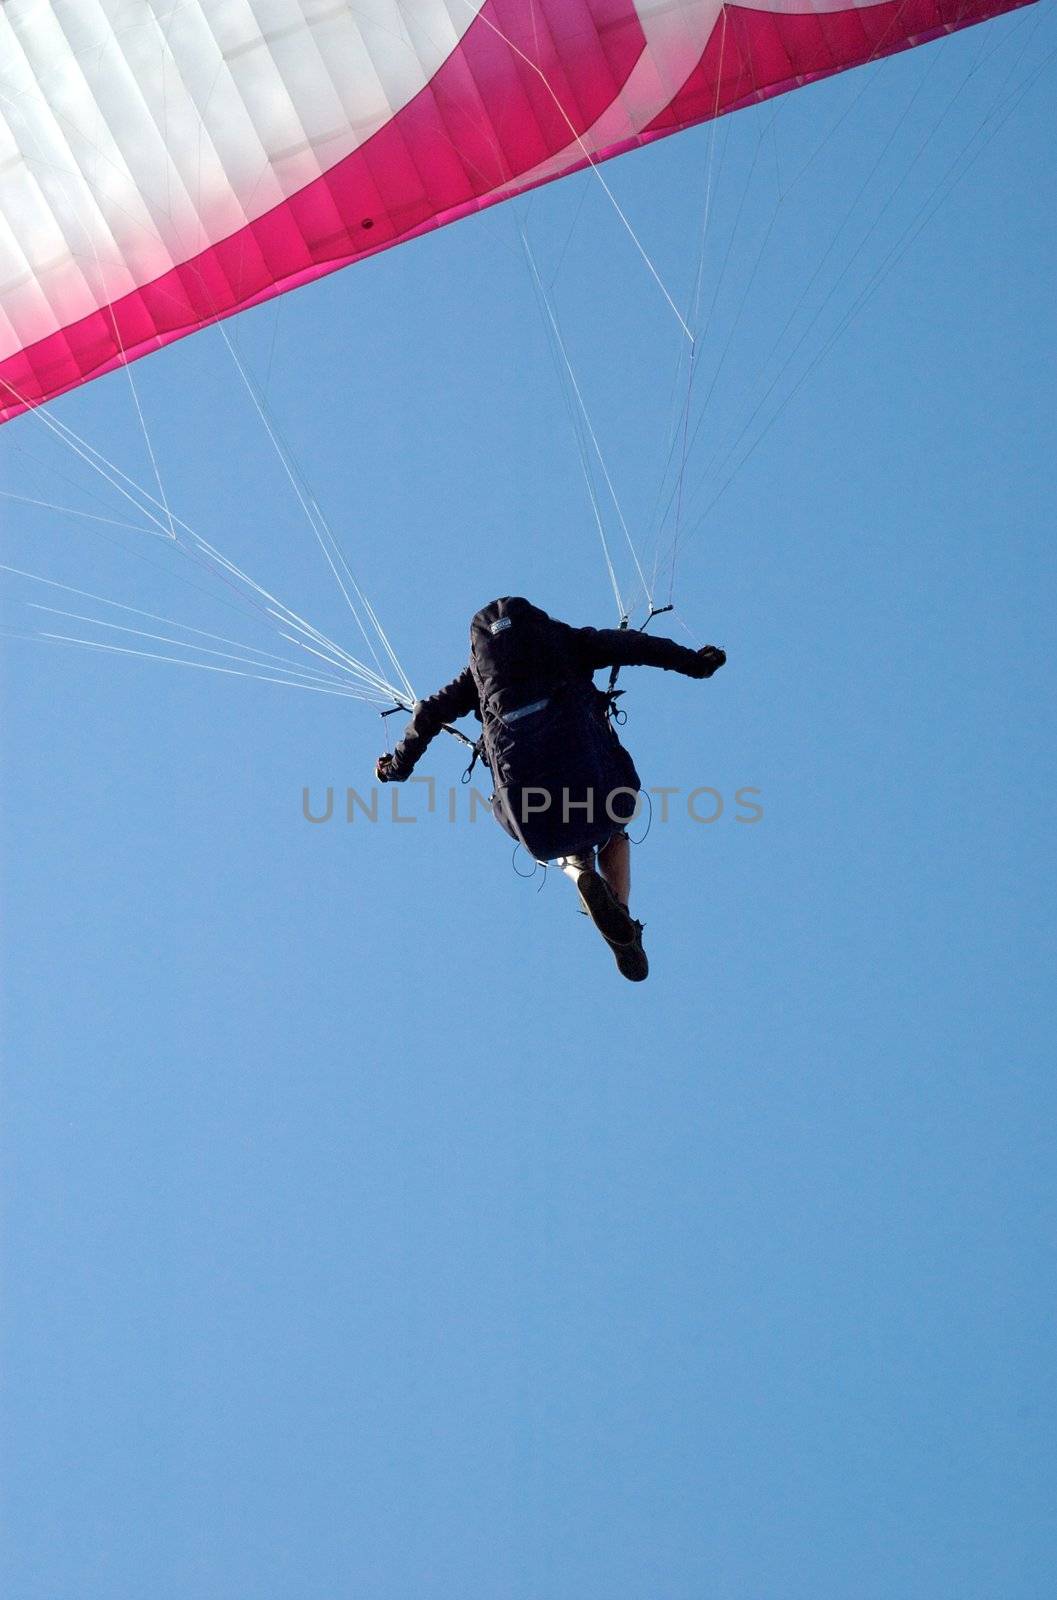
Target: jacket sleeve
[[456, 699], [595, 648]]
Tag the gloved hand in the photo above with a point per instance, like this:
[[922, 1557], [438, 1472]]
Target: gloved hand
[[710, 659], [383, 770]]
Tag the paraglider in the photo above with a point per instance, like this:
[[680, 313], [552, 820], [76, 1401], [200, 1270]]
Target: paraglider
[[565, 787], [160, 172]]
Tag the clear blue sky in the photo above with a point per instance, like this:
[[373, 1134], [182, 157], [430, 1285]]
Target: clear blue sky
[[365, 1234]]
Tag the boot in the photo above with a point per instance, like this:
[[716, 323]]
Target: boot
[[602, 906], [629, 954]]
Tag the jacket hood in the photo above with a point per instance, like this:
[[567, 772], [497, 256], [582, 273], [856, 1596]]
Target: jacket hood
[[506, 611]]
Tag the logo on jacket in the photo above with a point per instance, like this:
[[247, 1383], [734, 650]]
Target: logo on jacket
[[499, 624]]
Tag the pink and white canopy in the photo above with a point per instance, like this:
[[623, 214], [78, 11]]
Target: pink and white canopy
[[167, 162]]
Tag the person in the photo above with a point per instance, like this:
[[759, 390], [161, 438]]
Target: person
[[565, 787]]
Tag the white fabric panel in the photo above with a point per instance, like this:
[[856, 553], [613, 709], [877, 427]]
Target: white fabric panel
[[136, 133]]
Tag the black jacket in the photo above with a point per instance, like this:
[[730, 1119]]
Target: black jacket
[[588, 650]]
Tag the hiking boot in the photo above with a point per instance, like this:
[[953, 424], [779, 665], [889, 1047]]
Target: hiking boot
[[605, 910], [629, 954]]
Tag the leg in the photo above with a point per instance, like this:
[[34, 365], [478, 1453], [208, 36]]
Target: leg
[[614, 863], [608, 913], [603, 895], [573, 866]]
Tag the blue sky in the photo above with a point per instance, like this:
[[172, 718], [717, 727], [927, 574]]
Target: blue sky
[[365, 1234]]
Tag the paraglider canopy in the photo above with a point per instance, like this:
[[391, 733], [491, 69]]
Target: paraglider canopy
[[154, 179]]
